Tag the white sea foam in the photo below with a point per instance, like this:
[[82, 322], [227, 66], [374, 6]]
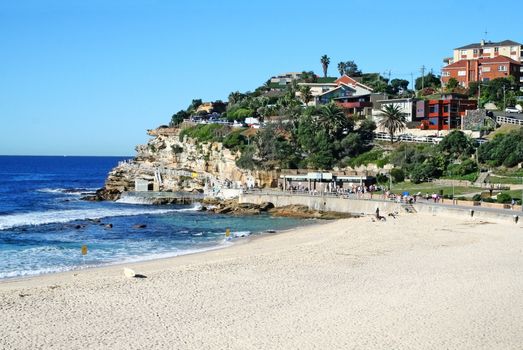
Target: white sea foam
[[135, 200], [68, 191], [241, 233], [121, 259], [63, 216]]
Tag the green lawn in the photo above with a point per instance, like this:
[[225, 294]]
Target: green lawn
[[510, 180], [429, 187]]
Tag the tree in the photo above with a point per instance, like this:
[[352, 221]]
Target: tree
[[325, 61], [456, 145], [194, 105], [499, 91], [451, 85], [321, 157], [179, 116], [235, 97], [334, 121], [393, 119], [366, 130], [308, 77], [429, 80], [341, 68], [399, 85], [397, 174], [305, 94], [351, 69]]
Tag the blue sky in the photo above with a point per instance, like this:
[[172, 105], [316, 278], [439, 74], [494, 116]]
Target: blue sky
[[89, 77]]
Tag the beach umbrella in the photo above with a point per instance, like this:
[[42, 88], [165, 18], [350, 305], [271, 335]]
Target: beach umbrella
[[406, 193]]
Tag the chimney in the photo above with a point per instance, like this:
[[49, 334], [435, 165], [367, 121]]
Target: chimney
[[482, 43]]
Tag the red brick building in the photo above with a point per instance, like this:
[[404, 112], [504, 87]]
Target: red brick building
[[482, 69]]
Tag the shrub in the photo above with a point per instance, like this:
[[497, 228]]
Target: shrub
[[504, 198], [398, 175], [235, 140], [205, 132], [476, 197]]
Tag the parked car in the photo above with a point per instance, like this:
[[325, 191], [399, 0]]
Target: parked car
[[511, 110]]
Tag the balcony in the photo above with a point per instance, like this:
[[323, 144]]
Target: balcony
[[354, 104]]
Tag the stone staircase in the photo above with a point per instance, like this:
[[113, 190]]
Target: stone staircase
[[409, 208], [482, 179]]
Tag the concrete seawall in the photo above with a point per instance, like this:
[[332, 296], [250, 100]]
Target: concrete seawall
[[368, 206], [472, 213], [337, 204]]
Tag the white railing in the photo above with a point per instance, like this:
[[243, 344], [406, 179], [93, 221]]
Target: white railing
[[409, 138], [508, 120]]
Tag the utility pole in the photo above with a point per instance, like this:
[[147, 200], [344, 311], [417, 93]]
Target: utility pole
[[504, 98], [412, 82], [388, 74], [422, 77]]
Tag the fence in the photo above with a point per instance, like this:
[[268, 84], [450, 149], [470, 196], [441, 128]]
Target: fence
[[409, 138], [508, 120]]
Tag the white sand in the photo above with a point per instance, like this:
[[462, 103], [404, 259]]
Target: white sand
[[418, 282]]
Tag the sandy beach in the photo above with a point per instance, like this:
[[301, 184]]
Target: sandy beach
[[415, 282]]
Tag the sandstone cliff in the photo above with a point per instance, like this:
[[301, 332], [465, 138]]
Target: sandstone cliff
[[167, 163]]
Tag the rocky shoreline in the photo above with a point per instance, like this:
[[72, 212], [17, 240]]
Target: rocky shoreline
[[233, 207]]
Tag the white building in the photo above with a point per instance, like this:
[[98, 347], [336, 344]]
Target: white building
[[406, 105]]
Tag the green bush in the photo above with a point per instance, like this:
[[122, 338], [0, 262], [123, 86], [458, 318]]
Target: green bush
[[365, 158], [504, 198], [235, 140], [398, 175], [476, 197], [205, 132]]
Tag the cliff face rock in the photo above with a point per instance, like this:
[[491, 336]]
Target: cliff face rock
[[167, 163]]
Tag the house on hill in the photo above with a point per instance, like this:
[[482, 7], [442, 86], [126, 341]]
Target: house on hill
[[483, 69], [484, 61]]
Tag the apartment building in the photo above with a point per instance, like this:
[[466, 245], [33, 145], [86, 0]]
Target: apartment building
[[487, 49], [482, 69]]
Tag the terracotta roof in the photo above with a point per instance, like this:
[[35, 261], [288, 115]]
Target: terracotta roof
[[498, 59], [491, 60], [459, 64], [489, 44], [346, 80]]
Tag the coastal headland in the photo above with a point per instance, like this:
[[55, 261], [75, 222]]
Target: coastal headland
[[416, 281]]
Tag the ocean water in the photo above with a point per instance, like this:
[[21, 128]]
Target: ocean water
[[44, 224]]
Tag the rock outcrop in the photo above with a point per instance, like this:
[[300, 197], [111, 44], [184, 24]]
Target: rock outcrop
[[167, 163]]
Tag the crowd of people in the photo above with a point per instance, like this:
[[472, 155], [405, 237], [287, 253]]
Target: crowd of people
[[363, 191]]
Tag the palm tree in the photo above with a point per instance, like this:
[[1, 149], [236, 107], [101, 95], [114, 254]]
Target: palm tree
[[333, 119], [393, 119], [305, 94], [341, 68], [325, 60]]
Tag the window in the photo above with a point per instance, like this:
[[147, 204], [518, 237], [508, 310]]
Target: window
[[462, 73], [475, 51], [496, 49], [463, 52], [486, 69], [502, 68], [446, 74]]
